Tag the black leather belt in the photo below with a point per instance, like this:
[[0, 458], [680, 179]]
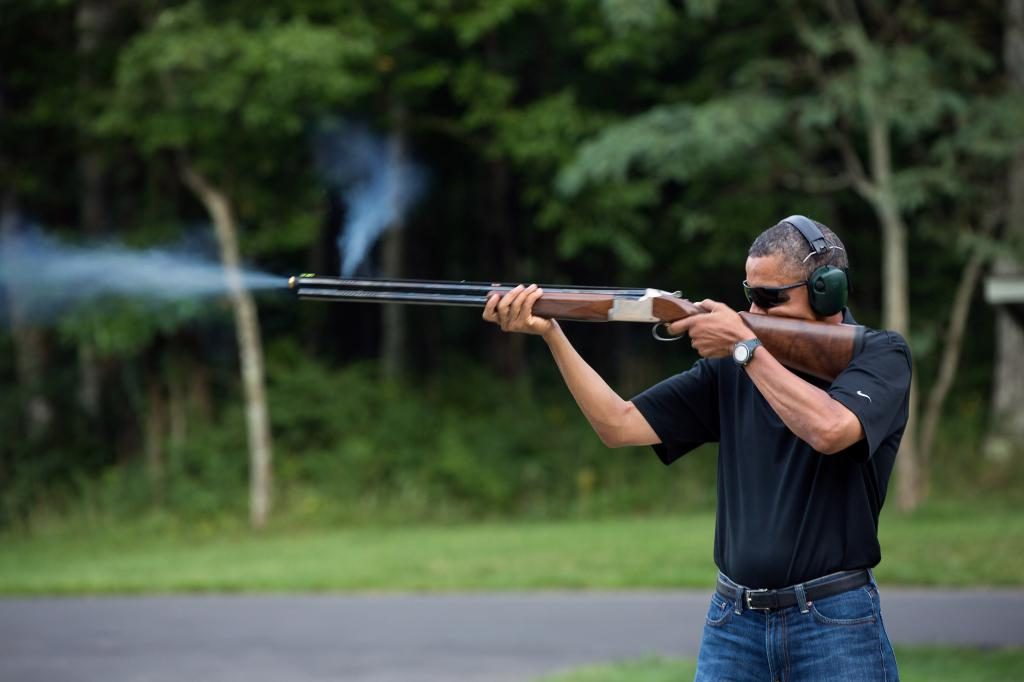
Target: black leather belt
[[819, 588]]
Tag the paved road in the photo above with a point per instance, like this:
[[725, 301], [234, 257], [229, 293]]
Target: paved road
[[410, 638]]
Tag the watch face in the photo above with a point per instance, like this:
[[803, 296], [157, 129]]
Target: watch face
[[740, 353]]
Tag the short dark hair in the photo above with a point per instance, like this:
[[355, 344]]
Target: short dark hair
[[782, 239]]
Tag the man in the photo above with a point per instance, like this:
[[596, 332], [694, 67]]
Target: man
[[803, 464]]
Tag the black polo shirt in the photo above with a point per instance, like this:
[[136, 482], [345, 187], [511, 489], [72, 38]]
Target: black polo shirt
[[786, 513]]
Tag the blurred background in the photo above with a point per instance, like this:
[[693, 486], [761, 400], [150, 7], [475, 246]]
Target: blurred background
[[641, 143]]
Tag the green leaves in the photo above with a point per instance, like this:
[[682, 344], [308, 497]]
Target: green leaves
[[676, 142], [636, 15], [484, 93], [187, 82], [991, 129], [119, 328], [484, 17], [544, 134]]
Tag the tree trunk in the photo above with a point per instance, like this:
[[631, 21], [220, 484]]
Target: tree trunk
[[199, 391], [509, 350], [89, 379], [155, 435], [952, 343], [249, 345], [393, 317], [1006, 430], [29, 344], [91, 20], [177, 403], [912, 472]]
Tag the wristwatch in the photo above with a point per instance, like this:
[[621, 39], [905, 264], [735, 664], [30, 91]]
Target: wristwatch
[[743, 352]]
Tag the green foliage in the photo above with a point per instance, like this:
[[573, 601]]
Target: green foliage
[[347, 436], [626, 37], [484, 17], [629, 15], [989, 132], [350, 447], [543, 137], [624, 168], [626, 141], [484, 93], [677, 142], [188, 83], [118, 327]]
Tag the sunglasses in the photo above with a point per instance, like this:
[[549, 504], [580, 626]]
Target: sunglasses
[[768, 297]]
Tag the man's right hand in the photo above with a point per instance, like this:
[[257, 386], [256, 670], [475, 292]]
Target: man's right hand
[[513, 312]]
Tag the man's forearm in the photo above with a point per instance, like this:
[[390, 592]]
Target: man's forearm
[[615, 420], [809, 412]]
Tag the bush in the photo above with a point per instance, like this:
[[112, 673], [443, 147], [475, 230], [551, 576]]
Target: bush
[[351, 448], [464, 445]]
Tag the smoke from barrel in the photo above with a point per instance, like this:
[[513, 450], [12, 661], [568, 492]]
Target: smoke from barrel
[[376, 185], [48, 277]]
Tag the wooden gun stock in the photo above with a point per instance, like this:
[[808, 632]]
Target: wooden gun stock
[[817, 348]]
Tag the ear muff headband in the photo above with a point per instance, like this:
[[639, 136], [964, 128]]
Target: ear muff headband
[[811, 232], [828, 286]]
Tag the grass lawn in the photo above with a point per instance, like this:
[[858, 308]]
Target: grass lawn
[[956, 546], [916, 665]]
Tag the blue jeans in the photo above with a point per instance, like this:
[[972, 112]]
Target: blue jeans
[[840, 638]]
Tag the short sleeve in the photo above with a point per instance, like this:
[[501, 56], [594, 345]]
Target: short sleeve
[[682, 410], [876, 388]]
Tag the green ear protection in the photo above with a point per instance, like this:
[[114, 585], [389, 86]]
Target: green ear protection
[[828, 287]]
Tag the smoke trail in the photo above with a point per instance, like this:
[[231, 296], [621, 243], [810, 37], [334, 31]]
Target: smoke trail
[[45, 277], [377, 185]]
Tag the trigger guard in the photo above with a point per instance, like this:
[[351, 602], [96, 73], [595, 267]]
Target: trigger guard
[[659, 337]]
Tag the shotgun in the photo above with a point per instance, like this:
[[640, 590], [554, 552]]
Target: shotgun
[[815, 348]]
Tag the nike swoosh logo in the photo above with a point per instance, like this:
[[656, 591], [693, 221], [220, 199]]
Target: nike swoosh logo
[[864, 395]]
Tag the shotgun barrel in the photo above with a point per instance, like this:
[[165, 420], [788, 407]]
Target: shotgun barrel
[[425, 292]]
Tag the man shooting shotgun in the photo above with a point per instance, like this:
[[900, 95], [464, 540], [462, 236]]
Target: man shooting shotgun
[[803, 462], [808, 409]]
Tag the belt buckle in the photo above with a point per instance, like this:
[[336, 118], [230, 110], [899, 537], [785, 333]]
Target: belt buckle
[[751, 606]]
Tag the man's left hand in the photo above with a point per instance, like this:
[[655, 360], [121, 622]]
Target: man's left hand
[[713, 335]]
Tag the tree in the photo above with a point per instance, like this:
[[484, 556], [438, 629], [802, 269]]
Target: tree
[[92, 21], [889, 106], [30, 85], [1006, 431], [224, 96], [406, 75]]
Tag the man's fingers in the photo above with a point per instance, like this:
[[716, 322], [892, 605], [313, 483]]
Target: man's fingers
[[680, 327], [506, 301], [531, 300], [513, 311], [713, 306], [491, 308], [516, 308]]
